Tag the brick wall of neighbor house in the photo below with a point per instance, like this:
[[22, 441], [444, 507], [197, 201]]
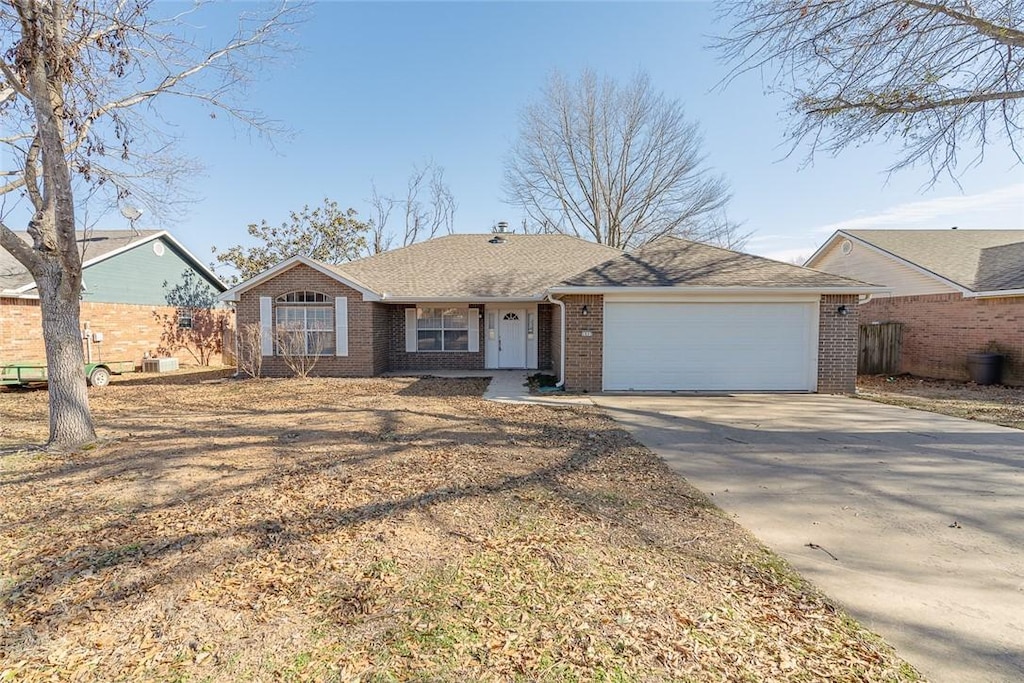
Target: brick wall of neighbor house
[[584, 354], [129, 331], [544, 332], [399, 360], [939, 330], [362, 346], [837, 345]]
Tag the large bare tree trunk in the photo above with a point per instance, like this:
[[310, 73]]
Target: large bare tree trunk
[[70, 421]]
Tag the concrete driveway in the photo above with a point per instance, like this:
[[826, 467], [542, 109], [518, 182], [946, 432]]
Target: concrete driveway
[[924, 513]]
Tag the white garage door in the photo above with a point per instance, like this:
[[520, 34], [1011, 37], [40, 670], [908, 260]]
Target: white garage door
[[710, 346]]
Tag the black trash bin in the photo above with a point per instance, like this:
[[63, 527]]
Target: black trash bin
[[985, 368]]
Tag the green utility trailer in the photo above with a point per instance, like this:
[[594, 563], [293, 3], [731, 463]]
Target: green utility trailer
[[96, 374]]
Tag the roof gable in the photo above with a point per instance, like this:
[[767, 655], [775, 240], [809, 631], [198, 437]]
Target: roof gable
[[233, 293], [969, 260], [675, 262], [97, 246]]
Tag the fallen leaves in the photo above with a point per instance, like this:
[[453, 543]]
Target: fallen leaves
[[388, 529]]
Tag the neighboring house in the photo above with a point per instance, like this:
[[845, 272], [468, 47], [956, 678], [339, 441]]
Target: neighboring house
[[124, 277], [674, 315], [954, 291]]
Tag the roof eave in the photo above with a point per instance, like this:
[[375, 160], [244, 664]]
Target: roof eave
[[390, 299], [232, 294], [923, 271], [719, 289], [994, 293], [20, 293]]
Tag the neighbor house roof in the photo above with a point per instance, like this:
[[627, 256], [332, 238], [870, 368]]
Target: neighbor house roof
[[95, 246], [476, 266], [976, 260], [674, 262]]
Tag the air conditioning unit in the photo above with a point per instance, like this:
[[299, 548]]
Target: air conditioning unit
[[159, 364]]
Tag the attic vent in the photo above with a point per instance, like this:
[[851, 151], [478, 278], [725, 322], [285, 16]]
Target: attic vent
[[846, 247], [497, 239]]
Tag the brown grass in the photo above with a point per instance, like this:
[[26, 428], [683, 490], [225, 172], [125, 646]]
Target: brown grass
[[996, 404], [384, 530]]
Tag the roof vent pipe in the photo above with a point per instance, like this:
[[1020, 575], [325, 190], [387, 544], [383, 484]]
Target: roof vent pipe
[[501, 228]]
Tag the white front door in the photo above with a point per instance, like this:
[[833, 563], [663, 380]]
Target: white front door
[[512, 338]]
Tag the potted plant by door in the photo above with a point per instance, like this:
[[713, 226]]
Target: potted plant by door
[[986, 367]]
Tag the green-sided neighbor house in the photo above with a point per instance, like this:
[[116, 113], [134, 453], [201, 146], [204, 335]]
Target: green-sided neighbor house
[[126, 276]]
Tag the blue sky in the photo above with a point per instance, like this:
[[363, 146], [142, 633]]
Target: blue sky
[[378, 87]]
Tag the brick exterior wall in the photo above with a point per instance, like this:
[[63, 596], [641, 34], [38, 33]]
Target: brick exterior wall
[[129, 331], [939, 330], [363, 349], [584, 354], [545, 330], [837, 345], [381, 337], [401, 361]]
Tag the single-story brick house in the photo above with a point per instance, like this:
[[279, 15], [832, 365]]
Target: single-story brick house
[[124, 276], [954, 291], [674, 315]]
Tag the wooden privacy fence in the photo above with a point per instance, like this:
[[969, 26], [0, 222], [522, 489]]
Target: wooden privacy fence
[[880, 349]]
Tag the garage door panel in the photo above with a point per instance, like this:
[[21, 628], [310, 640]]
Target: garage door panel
[[712, 346]]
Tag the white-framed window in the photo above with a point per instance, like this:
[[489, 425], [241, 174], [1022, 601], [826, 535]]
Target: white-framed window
[[442, 329], [304, 324], [185, 318]]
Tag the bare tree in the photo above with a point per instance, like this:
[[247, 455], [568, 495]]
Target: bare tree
[[423, 217], [382, 205], [249, 354], [298, 349], [937, 77], [74, 77], [617, 164]]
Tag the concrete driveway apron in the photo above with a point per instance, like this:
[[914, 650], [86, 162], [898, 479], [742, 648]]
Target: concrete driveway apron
[[924, 512]]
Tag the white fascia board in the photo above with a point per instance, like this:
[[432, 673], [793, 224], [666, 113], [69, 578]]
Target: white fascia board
[[199, 264], [691, 290], [162, 235], [388, 299], [822, 249], [233, 293], [994, 294], [878, 250]]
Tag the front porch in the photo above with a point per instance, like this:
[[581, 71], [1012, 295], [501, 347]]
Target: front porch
[[436, 337]]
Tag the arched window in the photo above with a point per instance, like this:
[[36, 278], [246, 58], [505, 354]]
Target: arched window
[[304, 324]]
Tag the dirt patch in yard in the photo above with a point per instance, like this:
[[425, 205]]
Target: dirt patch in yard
[[384, 529], [996, 404]]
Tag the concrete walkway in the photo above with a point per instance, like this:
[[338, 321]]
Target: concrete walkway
[[508, 386], [924, 513]]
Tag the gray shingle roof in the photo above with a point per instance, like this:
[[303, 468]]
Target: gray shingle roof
[[674, 262], [979, 260], [98, 242], [471, 266]]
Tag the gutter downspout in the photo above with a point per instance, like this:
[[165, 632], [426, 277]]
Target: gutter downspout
[[561, 356]]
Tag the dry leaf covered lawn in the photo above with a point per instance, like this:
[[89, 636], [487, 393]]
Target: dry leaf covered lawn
[[384, 530], [1001, 405]]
